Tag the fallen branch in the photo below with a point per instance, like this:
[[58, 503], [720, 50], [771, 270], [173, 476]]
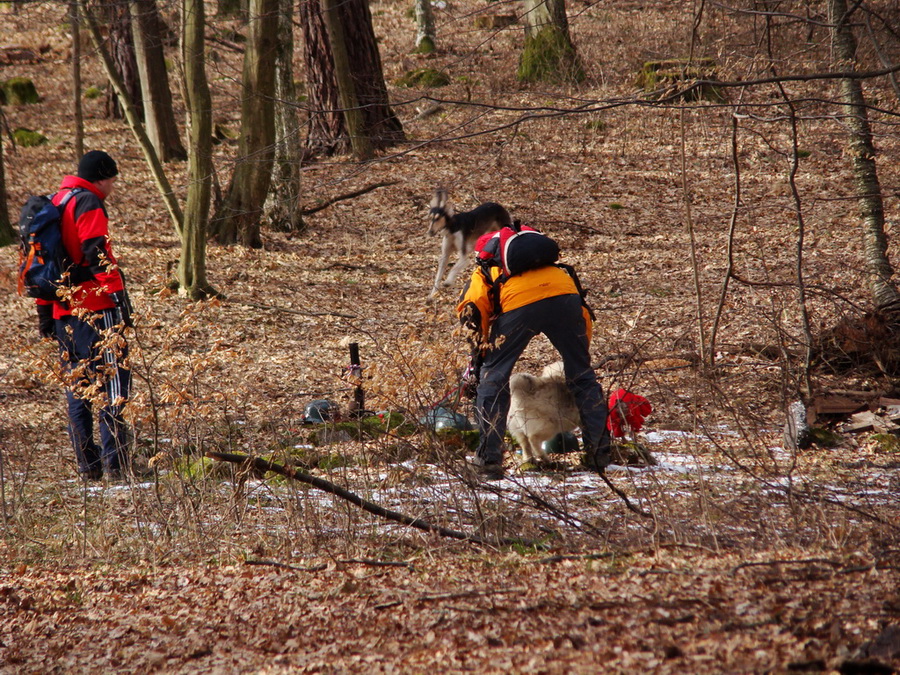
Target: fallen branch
[[263, 466], [350, 195]]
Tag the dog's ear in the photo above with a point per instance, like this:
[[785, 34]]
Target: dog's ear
[[439, 200]]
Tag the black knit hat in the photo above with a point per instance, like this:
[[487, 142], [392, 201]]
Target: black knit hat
[[97, 165]]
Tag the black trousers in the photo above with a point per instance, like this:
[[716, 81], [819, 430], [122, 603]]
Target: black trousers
[[561, 320], [93, 355]]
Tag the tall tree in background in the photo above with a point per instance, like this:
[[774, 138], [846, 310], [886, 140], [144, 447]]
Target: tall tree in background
[[237, 219], [548, 55], [192, 261], [159, 115], [7, 233], [326, 133], [425, 43], [77, 111], [121, 41], [282, 209], [862, 154], [328, 124]]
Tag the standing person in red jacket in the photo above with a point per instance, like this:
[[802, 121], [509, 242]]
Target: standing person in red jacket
[[89, 324]]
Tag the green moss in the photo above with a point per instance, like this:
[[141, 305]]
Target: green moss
[[426, 46], [616, 206], [93, 92], [664, 77], [549, 56], [885, 443], [825, 438], [20, 91], [27, 138], [424, 77]]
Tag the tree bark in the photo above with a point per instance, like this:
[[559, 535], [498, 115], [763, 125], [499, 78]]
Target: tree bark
[[192, 262], [425, 42], [159, 114], [548, 55], [77, 111], [237, 220], [121, 41], [862, 153], [328, 130], [350, 102], [282, 209], [7, 233], [134, 121]]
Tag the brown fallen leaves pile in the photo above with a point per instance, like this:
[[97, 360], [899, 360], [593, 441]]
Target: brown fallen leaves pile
[[757, 559]]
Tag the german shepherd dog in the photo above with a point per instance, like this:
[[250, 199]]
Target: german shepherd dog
[[461, 231]]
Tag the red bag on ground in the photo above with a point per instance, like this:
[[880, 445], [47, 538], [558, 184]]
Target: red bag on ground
[[628, 409]]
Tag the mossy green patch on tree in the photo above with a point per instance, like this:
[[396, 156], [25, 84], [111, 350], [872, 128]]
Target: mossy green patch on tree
[[424, 77], [20, 91], [549, 56], [426, 46], [28, 138]]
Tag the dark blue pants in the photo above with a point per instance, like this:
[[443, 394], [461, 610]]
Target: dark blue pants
[[561, 320], [93, 358]]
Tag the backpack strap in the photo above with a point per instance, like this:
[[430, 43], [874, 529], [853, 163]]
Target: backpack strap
[[583, 293]]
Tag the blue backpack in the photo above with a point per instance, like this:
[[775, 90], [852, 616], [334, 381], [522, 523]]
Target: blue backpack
[[43, 258]]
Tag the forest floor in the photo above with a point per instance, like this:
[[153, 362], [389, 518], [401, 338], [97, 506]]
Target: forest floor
[[736, 556]]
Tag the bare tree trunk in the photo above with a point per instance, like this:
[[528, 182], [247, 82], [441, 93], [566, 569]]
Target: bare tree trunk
[[282, 208], [381, 124], [328, 129], [77, 111], [425, 43], [862, 152], [121, 43], [237, 220], [7, 233], [350, 103], [159, 114], [192, 262], [134, 120], [548, 55]]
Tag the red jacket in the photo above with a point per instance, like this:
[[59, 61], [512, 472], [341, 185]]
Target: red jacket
[[85, 234]]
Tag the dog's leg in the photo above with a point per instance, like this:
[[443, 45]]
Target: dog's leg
[[446, 248], [461, 263]]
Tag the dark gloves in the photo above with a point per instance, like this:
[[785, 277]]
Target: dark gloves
[[470, 380], [123, 307], [46, 323]]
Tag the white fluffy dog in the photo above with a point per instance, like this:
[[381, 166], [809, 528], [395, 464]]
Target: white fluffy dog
[[540, 407]]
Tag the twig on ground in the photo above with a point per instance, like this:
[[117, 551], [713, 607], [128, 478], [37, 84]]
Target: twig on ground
[[263, 466], [349, 195]]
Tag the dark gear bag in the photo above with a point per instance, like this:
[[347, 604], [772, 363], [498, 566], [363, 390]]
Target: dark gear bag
[[43, 259], [517, 249]]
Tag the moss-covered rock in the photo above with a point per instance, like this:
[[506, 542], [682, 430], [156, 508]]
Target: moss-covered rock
[[825, 438], [667, 76], [28, 138], [20, 91], [549, 56], [424, 77], [885, 443]]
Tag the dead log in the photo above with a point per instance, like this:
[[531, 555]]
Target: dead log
[[262, 465]]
